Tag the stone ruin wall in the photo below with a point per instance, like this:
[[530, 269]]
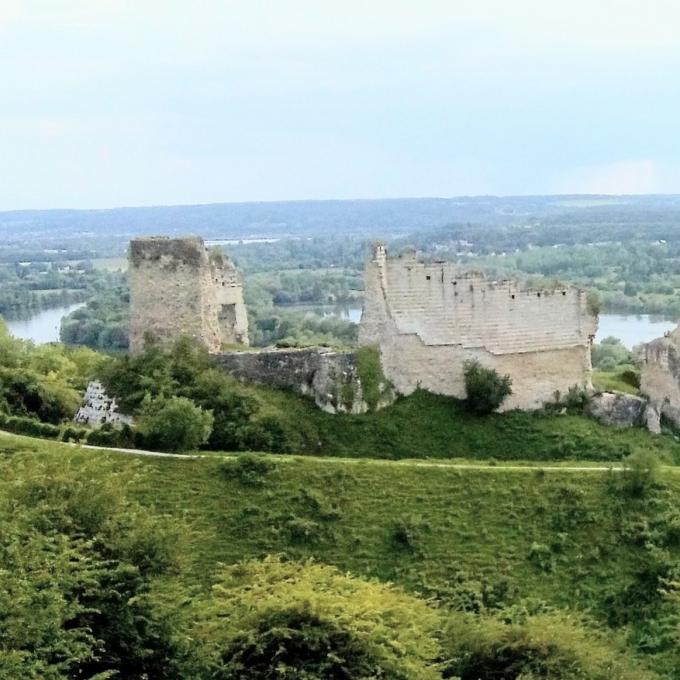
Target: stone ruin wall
[[660, 379], [428, 319], [177, 287], [330, 378]]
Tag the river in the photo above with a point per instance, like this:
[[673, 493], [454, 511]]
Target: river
[[43, 326], [631, 329]]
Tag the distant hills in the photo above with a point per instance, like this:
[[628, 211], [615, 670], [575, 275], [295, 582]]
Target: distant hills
[[382, 217]]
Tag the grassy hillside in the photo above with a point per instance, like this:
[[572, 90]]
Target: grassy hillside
[[428, 425], [476, 537]]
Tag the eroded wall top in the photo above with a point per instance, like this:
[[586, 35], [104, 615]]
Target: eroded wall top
[[441, 305]]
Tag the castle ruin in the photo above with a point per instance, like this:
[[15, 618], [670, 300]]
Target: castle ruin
[[179, 287], [660, 379], [428, 319]]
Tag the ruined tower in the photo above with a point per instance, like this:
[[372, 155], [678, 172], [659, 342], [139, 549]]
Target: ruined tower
[[428, 319], [178, 287]]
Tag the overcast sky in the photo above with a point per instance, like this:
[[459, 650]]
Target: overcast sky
[[113, 102]]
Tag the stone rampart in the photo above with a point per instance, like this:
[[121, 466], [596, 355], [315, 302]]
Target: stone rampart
[[660, 378], [428, 319], [331, 378]]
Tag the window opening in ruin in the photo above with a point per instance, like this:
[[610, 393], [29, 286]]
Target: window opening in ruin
[[564, 292], [513, 296], [538, 295], [428, 277]]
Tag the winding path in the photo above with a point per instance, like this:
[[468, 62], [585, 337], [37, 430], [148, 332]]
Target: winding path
[[528, 466]]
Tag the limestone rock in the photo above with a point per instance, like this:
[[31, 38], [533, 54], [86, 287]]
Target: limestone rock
[[98, 408], [618, 409], [331, 378]]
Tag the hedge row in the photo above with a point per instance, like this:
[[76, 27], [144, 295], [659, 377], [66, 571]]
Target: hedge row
[[97, 437]]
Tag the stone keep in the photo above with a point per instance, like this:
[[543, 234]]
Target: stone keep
[[178, 287], [427, 319]]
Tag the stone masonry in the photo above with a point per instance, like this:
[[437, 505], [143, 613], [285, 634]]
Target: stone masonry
[[330, 378], [660, 379], [427, 319], [178, 287]]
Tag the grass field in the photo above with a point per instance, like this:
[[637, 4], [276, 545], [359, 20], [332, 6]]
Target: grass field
[[467, 534], [547, 534]]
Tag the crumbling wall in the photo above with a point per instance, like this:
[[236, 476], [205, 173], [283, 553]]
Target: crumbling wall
[[178, 288], [660, 379], [331, 378], [428, 319]]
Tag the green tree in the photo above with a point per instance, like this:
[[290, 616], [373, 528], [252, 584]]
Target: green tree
[[485, 388], [175, 424]]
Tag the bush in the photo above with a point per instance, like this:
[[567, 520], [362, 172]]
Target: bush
[[543, 647], [174, 424], [31, 427], [78, 558], [640, 473], [74, 434], [270, 620], [485, 388], [249, 469]]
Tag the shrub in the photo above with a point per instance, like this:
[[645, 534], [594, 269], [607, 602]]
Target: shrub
[[406, 534], [264, 434], [374, 385], [74, 434], [174, 424], [631, 377], [77, 558], [272, 619], [640, 473], [248, 468], [543, 647], [485, 388], [31, 427]]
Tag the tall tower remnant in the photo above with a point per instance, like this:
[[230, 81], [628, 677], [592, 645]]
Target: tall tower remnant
[[178, 287]]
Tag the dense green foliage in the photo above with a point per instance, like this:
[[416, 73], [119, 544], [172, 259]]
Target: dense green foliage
[[174, 424], [44, 381], [508, 560], [77, 558], [274, 620], [485, 389], [541, 647]]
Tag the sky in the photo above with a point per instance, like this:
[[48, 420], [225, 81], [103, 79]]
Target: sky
[[108, 103]]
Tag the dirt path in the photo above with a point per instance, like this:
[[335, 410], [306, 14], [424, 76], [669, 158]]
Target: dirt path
[[287, 458]]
